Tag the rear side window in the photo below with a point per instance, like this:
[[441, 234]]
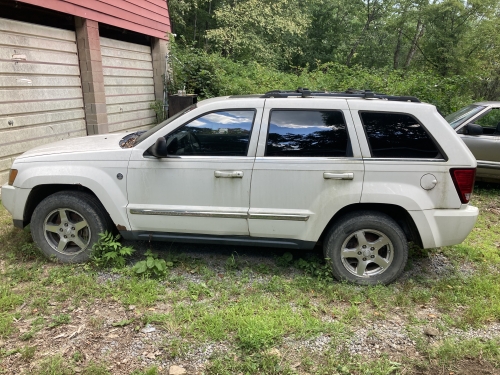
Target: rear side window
[[397, 135], [307, 133]]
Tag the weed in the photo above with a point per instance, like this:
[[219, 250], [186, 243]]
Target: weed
[[28, 251], [56, 365], [96, 369], [315, 268], [28, 352], [27, 335], [108, 252], [159, 109], [259, 363], [6, 325], [152, 266], [285, 260], [60, 319], [176, 348], [150, 371], [8, 299], [232, 262], [453, 349], [77, 357], [96, 322], [122, 323], [135, 291], [196, 290]]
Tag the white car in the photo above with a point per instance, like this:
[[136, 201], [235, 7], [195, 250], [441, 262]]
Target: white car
[[360, 173]]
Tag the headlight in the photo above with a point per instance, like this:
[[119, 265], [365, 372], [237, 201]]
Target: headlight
[[12, 176]]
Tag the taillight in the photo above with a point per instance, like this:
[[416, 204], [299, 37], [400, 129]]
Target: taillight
[[463, 178]]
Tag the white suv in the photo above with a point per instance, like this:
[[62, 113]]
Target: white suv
[[360, 173]]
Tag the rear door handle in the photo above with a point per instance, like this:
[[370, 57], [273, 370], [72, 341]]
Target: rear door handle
[[228, 174], [338, 176]]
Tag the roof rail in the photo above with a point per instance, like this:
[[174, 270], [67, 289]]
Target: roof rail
[[349, 93]]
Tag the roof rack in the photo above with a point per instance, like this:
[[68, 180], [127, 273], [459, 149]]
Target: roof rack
[[349, 93]]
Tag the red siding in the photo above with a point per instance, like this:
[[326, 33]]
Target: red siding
[[148, 17]]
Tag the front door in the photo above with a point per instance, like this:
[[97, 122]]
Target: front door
[[203, 187], [308, 166]]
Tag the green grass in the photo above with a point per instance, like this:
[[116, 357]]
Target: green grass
[[251, 308]]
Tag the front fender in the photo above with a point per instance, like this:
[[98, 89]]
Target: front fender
[[99, 177]]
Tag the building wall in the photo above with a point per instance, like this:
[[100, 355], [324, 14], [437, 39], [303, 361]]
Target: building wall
[[149, 17], [41, 97], [128, 85], [60, 78]]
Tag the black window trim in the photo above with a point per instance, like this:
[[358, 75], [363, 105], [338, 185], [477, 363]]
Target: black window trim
[[309, 157], [254, 110], [444, 157]]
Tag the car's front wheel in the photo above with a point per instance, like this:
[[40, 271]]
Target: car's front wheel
[[366, 248], [66, 224]]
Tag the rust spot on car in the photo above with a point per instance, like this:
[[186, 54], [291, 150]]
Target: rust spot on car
[[120, 227]]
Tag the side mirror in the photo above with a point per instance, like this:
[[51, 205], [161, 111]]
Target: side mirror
[[159, 149], [474, 129]]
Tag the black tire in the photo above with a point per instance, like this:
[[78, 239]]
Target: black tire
[[49, 227], [381, 259]]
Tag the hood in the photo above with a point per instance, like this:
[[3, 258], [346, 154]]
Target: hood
[[89, 144]]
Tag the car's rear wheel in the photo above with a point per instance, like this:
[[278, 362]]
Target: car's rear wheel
[[366, 248], [66, 224]]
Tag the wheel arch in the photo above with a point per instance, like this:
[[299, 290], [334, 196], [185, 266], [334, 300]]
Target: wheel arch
[[397, 213], [40, 192]]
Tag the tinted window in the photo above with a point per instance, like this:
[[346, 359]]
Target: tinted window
[[221, 133], [395, 135], [307, 133]]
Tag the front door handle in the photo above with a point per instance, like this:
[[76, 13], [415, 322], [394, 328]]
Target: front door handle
[[228, 174], [338, 176]]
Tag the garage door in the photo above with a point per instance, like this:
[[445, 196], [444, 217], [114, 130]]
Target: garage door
[[40, 89], [129, 86]]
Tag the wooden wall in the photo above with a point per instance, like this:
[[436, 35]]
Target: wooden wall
[[41, 98], [149, 17], [128, 84]]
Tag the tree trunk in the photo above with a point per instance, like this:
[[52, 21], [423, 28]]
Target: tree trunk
[[369, 19], [398, 50], [418, 34]]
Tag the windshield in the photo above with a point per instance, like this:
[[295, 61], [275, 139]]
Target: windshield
[[145, 135], [459, 117]]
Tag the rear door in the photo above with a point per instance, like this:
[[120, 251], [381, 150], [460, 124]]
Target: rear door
[[308, 166]]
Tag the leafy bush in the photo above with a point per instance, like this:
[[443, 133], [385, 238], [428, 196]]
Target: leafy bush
[[157, 106], [152, 266], [210, 75], [108, 252], [315, 268]]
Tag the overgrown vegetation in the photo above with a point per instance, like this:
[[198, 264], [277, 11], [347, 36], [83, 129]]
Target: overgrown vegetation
[[444, 52], [260, 312]]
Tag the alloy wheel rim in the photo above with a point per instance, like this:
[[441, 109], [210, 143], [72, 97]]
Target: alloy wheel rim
[[367, 253], [67, 231]]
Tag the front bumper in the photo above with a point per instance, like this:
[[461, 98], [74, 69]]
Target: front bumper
[[445, 227], [14, 200]]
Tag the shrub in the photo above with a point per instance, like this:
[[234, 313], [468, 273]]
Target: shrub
[[108, 252], [152, 266], [210, 75]]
